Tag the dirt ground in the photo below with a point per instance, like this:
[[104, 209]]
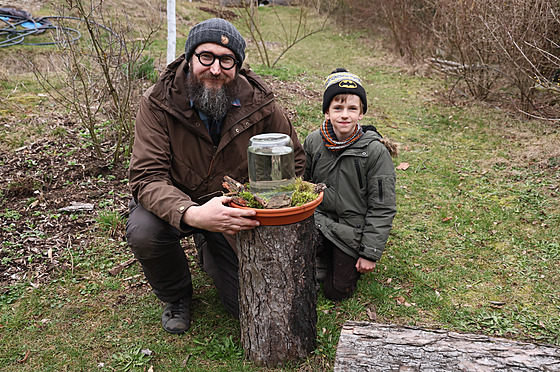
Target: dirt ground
[[40, 180]]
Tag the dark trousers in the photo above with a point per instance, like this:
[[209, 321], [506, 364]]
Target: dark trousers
[[342, 275], [156, 244]]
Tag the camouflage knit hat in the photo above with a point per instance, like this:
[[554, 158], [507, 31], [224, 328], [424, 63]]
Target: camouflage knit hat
[[218, 31], [340, 81]]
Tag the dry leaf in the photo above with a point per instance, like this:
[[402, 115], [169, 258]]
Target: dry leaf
[[497, 304], [446, 219], [371, 313], [400, 300], [403, 166]]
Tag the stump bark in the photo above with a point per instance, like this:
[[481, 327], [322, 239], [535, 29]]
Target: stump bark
[[380, 347], [277, 292]]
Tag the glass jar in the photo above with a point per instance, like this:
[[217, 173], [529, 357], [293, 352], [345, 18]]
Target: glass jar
[[271, 162]]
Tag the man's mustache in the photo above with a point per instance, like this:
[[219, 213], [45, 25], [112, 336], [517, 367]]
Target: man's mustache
[[210, 76]]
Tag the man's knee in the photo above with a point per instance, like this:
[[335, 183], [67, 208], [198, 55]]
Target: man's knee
[[149, 236], [140, 237]]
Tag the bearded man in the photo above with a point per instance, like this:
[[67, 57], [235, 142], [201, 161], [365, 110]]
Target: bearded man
[[192, 129]]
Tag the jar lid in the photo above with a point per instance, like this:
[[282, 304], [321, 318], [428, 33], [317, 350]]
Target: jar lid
[[270, 140]]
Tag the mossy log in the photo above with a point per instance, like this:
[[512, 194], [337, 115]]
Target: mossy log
[[277, 292]]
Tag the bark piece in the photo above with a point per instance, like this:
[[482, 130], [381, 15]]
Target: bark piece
[[277, 294], [281, 200], [77, 207], [232, 185], [120, 267], [239, 201], [365, 346]]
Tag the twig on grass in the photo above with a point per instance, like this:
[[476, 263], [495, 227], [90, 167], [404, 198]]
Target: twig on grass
[[186, 360], [68, 246], [132, 277], [25, 357], [120, 267], [461, 235]]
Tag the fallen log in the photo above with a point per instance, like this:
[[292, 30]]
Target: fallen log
[[367, 346]]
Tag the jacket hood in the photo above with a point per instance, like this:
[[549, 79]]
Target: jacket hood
[[390, 145]]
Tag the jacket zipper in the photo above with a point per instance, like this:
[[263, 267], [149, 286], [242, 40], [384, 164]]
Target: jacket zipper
[[212, 162], [357, 164], [380, 186]]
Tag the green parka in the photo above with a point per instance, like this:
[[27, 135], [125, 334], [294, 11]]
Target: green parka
[[174, 162], [359, 204]]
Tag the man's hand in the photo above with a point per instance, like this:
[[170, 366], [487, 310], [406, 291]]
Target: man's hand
[[217, 217], [365, 266]]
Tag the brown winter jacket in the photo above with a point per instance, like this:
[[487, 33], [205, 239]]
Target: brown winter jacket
[[174, 163]]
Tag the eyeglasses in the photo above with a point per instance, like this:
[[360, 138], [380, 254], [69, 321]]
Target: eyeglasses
[[208, 58]]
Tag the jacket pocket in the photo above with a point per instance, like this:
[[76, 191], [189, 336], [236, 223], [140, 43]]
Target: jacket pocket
[[348, 235], [185, 176]]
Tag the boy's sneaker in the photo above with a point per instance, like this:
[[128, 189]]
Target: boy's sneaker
[[176, 317]]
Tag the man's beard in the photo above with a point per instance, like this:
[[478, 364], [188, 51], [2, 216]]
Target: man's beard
[[213, 102]]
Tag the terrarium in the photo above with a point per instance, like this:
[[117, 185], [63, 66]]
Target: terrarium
[[271, 162]]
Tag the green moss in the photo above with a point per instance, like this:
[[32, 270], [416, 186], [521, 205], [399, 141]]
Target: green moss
[[304, 192], [302, 197], [301, 192], [250, 200]]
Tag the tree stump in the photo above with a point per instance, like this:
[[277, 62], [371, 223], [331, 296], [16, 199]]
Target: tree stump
[[367, 346], [277, 292]]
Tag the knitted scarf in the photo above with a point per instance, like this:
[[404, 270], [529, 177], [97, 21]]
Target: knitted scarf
[[332, 142]]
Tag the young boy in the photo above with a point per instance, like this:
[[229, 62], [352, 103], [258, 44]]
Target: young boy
[[358, 207]]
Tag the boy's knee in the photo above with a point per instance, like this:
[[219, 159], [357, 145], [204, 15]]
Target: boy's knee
[[337, 291]]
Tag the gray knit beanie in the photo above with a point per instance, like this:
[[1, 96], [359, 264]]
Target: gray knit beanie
[[218, 31]]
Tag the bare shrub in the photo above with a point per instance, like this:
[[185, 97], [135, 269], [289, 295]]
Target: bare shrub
[[307, 22], [487, 45], [494, 40], [406, 23], [96, 77], [409, 22]]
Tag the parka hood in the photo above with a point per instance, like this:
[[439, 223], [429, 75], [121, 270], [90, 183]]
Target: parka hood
[[390, 145]]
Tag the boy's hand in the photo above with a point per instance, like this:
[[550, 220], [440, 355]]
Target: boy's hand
[[365, 266]]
